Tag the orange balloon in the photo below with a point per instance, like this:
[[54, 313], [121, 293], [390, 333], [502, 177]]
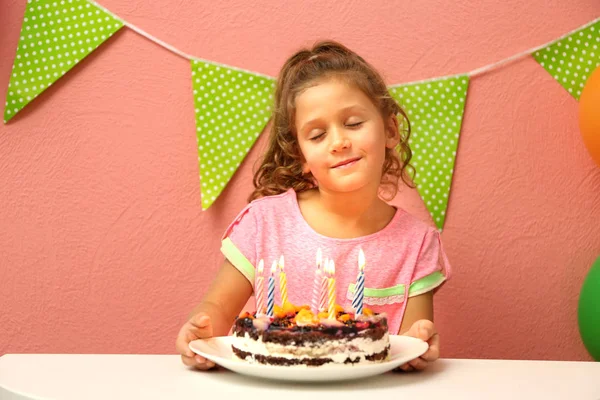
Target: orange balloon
[[589, 115]]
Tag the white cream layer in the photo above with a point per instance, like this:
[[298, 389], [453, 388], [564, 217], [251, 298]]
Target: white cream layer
[[337, 350]]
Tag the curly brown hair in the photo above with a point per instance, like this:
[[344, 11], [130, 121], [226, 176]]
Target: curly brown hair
[[281, 165]]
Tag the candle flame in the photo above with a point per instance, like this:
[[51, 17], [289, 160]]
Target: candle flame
[[361, 260], [261, 266], [281, 263], [274, 267], [331, 268]]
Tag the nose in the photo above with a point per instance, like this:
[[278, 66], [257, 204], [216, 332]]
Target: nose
[[339, 140]]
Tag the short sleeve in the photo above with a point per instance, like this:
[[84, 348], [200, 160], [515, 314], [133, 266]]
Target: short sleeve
[[432, 268], [237, 244]]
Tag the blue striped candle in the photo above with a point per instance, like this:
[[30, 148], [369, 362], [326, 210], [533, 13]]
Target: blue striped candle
[[271, 291], [359, 290]]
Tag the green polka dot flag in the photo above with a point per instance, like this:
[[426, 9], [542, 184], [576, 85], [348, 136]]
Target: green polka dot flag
[[55, 35], [435, 110], [573, 59], [232, 108]]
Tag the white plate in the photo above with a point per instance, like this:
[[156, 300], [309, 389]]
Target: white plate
[[218, 350]]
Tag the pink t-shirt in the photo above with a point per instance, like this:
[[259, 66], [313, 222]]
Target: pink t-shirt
[[404, 259]]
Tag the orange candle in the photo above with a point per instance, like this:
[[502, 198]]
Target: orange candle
[[331, 290], [282, 283]]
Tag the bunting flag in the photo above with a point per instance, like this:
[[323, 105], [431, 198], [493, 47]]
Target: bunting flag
[[435, 110], [55, 36], [571, 60], [232, 108]]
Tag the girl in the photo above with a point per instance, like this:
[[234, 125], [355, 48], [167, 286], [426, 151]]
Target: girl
[[332, 159]]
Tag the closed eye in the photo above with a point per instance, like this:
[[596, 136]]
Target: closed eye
[[319, 136], [355, 125]]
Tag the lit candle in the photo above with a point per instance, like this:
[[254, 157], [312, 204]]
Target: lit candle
[[323, 291], [271, 291], [282, 283], [359, 289], [260, 289], [331, 290], [317, 283]]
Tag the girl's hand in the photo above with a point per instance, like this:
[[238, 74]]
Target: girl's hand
[[425, 330], [198, 327]]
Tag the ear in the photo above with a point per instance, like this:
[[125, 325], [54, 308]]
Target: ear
[[392, 134], [305, 168]]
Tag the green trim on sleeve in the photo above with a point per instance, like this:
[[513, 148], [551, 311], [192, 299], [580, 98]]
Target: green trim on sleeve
[[426, 283], [418, 287], [235, 257]]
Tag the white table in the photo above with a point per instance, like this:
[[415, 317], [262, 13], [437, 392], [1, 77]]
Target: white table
[[95, 376]]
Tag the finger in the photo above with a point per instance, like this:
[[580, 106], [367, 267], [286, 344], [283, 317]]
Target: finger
[[418, 363], [182, 345], [189, 361], [200, 320], [198, 362], [194, 332], [204, 367], [405, 367], [421, 329], [201, 361], [433, 353], [425, 329], [201, 327]]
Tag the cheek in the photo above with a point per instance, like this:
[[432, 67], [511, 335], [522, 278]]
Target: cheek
[[375, 145], [312, 153], [305, 150], [377, 150], [311, 159], [313, 163]]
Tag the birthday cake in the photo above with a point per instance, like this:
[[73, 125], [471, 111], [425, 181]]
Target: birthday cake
[[295, 336]]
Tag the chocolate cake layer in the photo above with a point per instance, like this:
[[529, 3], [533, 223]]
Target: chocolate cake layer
[[313, 337], [305, 361]]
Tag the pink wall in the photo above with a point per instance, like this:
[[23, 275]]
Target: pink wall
[[104, 248]]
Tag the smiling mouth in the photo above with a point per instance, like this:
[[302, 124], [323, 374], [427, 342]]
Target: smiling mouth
[[347, 163]]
